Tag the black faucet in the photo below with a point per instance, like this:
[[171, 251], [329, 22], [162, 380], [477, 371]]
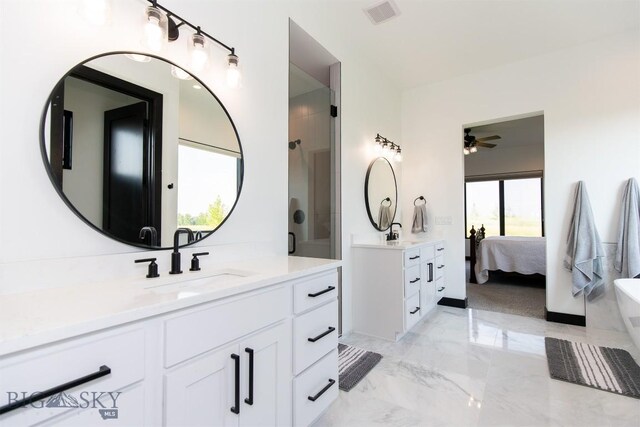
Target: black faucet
[[153, 234], [175, 255], [392, 235]]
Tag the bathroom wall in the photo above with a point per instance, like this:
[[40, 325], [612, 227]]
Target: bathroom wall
[[590, 98], [45, 245]]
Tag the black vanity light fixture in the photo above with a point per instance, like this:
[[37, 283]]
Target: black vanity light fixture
[[160, 26], [387, 148]]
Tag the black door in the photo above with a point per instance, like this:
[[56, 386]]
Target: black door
[[126, 195]]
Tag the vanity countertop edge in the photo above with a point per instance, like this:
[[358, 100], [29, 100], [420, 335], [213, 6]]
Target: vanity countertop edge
[[399, 245], [36, 318]]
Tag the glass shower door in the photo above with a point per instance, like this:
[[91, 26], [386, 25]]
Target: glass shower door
[[312, 212]]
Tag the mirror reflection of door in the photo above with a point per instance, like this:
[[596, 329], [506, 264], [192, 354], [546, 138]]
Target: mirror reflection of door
[[126, 144], [116, 122]]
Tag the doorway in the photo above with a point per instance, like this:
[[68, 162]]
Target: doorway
[[504, 215]]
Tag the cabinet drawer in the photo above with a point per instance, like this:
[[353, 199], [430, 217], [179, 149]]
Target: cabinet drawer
[[314, 335], [309, 400], [204, 329], [440, 288], [439, 267], [411, 311], [411, 280], [122, 352], [411, 257], [427, 253], [314, 291]]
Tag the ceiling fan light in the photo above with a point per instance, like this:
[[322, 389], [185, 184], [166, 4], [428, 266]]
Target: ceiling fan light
[[466, 151], [473, 149]]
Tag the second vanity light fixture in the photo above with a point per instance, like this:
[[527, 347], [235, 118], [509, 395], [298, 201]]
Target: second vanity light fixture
[[387, 148], [160, 27]]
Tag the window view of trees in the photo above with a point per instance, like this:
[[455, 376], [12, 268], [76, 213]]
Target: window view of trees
[[208, 220], [519, 213]]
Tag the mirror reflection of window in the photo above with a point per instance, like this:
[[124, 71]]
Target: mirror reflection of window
[[207, 185]]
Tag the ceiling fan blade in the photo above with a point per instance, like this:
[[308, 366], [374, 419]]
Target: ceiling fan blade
[[488, 138], [485, 145]]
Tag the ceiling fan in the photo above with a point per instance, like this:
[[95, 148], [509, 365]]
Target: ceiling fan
[[471, 143]]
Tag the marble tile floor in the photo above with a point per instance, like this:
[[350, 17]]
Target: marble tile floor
[[478, 368]]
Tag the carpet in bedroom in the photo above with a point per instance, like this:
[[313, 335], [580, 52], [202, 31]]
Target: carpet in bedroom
[[509, 293]]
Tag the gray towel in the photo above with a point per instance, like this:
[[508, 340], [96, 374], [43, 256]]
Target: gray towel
[[419, 219], [584, 249], [627, 259], [384, 217]]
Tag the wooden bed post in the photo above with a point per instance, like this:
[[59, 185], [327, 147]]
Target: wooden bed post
[[472, 255]]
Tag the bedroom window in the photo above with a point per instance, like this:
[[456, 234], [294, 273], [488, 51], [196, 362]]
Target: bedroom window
[[506, 207]]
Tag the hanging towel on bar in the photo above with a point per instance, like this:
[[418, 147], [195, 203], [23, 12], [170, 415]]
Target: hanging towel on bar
[[584, 249], [419, 219], [384, 217], [627, 259]]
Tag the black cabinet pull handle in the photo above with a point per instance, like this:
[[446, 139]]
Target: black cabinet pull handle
[[440, 249], [102, 371], [440, 266], [322, 335], [441, 289], [430, 272], [317, 294], [321, 392], [249, 400], [414, 257], [236, 408], [293, 242], [414, 280], [415, 311]]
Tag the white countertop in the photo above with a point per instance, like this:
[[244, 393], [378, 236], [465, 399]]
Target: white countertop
[[401, 244], [35, 318]]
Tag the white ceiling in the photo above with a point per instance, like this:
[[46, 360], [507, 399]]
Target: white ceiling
[[513, 133], [434, 40]]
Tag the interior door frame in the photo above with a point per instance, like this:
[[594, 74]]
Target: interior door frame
[[153, 155]]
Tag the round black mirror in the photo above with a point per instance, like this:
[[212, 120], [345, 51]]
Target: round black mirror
[[381, 193], [137, 147]]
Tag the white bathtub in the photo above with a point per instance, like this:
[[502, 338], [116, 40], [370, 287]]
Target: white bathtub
[[628, 295]]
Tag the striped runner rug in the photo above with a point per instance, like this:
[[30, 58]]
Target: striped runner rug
[[354, 364], [609, 369]]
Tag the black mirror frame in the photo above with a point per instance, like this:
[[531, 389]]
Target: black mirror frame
[[47, 165], [366, 192]]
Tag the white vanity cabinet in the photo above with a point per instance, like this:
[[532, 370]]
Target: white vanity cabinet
[[244, 384], [101, 375], [395, 285], [232, 361], [315, 342]]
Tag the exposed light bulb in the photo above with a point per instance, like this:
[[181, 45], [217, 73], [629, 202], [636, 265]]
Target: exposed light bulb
[[96, 12], [233, 73], [398, 156], [385, 149], [138, 57], [466, 151], [198, 51], [179, 73], [377, 147], [155, 29], [473, 149]]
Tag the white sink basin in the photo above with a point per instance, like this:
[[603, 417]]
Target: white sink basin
[[216, 279]]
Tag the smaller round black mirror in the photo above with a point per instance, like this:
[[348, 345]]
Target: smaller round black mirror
[[381, 193]]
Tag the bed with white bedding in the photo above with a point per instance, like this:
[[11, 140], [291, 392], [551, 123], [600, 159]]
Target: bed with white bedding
[[524, 255]]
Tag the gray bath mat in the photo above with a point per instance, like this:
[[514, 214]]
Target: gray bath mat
[[354, 364], [609, 369]]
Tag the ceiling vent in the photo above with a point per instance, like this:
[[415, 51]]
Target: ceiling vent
[[382, 12]]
